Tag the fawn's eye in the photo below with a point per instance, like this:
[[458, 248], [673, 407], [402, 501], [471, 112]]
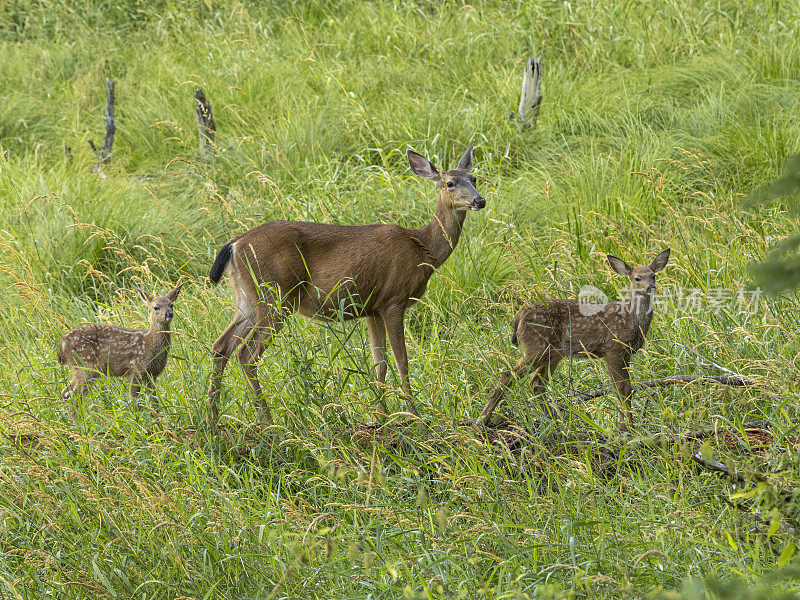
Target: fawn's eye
[[156, 308], [450, 184], [638, 279]]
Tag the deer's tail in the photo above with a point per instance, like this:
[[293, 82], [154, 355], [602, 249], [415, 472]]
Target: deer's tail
[[221, 262], [61, 352], [514, 340]]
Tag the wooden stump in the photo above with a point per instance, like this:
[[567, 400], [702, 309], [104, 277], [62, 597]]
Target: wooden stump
[[531, 98], [207, 128], [104, 153]]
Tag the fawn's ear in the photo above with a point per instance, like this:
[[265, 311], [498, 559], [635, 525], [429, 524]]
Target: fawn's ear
[[174, 293], [465, 164], [144, 296], [422, 167], [619, 265], [660, 261]]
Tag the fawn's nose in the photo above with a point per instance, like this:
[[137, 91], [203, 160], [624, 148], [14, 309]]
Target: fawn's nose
[[478, 203], [168, 314], [651, 288]]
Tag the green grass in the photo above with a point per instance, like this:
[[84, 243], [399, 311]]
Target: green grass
[[657, 118]]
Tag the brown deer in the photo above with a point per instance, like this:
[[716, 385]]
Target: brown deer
[[323, 271], [95, 349], [614, 331]]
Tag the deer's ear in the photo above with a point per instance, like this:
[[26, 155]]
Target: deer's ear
[[660, 261], [619, 265], [422, 167], [174, 293], [465, 163], [147, 298]]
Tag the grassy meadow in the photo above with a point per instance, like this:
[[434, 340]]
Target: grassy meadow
[[658, 118]]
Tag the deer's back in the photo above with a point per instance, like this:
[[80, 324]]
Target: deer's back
[[106, 348], [320, 268], [561, 324]]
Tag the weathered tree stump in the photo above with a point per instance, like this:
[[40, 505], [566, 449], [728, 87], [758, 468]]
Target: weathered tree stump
[[104, 153], [207, 128], [531, 98]]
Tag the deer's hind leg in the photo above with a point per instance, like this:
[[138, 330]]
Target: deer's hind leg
[[268, 321], [77, 388], [222, 350], [522, 369], [544, 366]]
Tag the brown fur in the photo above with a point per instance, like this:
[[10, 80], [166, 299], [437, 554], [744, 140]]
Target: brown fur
[[547, 333], [95, 349], [322, 271]]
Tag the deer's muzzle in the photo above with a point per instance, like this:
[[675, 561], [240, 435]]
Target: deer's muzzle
[[478, 203]]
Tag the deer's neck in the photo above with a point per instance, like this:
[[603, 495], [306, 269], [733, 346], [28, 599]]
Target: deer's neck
[[157, 342], [641, 308], [440, 236]]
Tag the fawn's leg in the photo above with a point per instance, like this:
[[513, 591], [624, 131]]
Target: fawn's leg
[[376, 329], [544, 368], [155, 404], [618, 364], [268, 323], [148, 383], [134, 387], [395, 331], [523, 367], [78, 387]]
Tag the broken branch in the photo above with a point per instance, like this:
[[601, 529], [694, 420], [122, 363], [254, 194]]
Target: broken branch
[[737, 381]]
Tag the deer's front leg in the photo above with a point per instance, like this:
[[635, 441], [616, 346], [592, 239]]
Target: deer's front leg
[[393, 319], [134, 387], [618, 364], [377, 341], [148, 382]]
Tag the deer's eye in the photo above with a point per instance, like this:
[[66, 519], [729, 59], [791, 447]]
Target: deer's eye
[[638, 279], [451, 184], [156, 308]]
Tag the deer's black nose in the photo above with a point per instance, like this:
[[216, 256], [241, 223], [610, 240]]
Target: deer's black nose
[[168, 314], [478, 203], [651, 288]]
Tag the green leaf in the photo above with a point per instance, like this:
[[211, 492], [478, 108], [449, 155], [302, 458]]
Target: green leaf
[[786, 554], [788, 183]]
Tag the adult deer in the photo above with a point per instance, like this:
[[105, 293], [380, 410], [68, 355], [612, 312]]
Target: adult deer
[[323, 271], [549, 332]]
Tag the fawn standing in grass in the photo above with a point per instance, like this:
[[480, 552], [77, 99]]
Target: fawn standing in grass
[[550, 332], [95, 349], [325, 271]]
